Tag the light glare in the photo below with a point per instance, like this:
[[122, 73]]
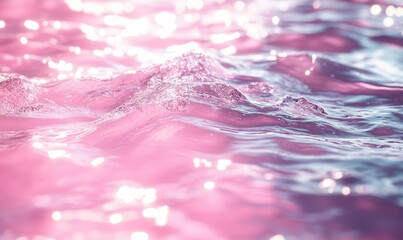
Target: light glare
[[388, 22], [24, 40], [53, 154], [275, 20], [277, 237], [31, 24], [209, 185], [375, 9], [139, 236], [56, 216], [115, 218], [345, 191], [97, 161], [390, 11]]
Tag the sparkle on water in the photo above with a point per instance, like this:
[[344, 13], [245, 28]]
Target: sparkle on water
[[201, 119]]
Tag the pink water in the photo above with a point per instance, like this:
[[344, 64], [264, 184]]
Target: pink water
[[201, 120]]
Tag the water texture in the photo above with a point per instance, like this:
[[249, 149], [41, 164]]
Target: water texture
[[196, 120]]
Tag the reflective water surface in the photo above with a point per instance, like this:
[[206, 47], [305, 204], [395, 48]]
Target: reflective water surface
[[192, 119]]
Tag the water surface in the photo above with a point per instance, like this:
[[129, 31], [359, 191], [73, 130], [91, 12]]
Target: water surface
[[196, 120]]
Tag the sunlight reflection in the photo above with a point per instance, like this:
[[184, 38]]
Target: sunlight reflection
[[223, 15], [197, 162], [31, 24], [115, 218], [229, 50], [194, 4], [62, 76], [337, 174], [223, 164], [114, 20], [138, 27], [207, 163], [109, 194], [209, 185], [166, 19], [223, 37], [183, 48], [399, 12], [150, 212], [57, 216], [191, 17], [75, 5], [58, 153], [345, 191], [107, 51], [81, 215], [239, 5], [57, 25], [242, 20], [159, 214], [23, 40], [275, 20], [255, 31], [328, 184], [139, 236], [97, 161], [277, 237], [390, 11], [162, 217], [99, 9], [76, 50], [375, 9], [314, 57], [388, 22], [149, 196], [129, 194], [37, 145], [118, 53], [61, 66]]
